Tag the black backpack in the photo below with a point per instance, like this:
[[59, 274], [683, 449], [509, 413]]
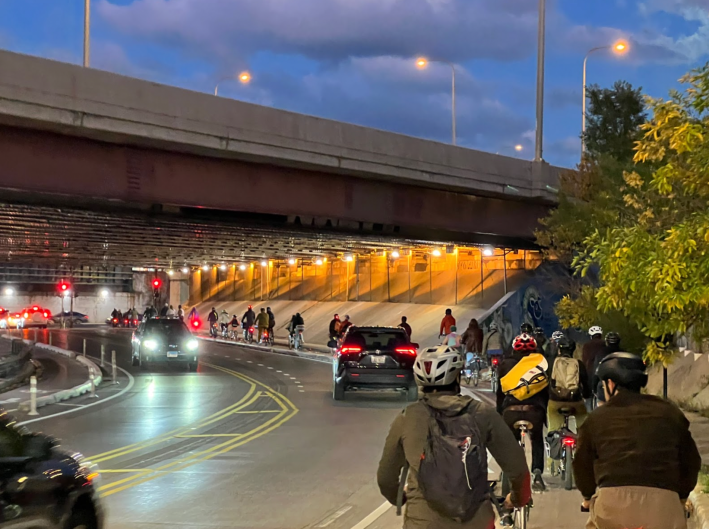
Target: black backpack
[[453, 471]]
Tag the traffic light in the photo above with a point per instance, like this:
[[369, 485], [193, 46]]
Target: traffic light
[[157, 283], [64, 286]]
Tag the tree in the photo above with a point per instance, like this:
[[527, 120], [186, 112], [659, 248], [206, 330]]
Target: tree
[[614, 119], [653, 266]]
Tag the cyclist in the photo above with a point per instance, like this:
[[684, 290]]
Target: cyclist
[[568, 385], [542, 342], [261, 323], [295, 321], [437, 371], [235, 324], [532, 409], [334, 330], [612, 346], [555, 337], [635, 461], [492, 344], [248, 318], [526, 328], [346, 324], [452, 339], [591, 351], [472, 338], [224, 320], [212, 318], [271, 322], [404, 325], [446, 323]]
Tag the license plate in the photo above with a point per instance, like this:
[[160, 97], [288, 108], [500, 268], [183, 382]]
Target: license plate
[[378, 359], [172, 354]]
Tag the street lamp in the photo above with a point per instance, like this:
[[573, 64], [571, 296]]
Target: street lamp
[[422, 63], [619, 47], [518, 147], [87, 31], [541, 36], [244, 78]]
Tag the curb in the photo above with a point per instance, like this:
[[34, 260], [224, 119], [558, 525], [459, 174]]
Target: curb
[[64, 394], [700, 510], [315, 357]]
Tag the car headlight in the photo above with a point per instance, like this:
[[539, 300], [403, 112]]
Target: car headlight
[[191, 345], [150, 344]]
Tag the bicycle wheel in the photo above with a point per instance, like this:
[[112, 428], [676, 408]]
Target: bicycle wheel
[[521, 517], [569, 477], [476, 377]]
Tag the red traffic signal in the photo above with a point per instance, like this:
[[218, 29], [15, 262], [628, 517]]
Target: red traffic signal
[[64, 286], [157, 283]]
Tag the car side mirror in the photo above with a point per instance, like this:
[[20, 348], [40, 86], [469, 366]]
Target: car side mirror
[[415, 345], [38, 446]]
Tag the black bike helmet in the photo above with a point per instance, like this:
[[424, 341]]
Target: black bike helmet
[[565, 346], [526, 328], [612, 338], [625, 369]]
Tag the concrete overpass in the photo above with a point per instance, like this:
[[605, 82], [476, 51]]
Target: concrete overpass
[[94, 135]]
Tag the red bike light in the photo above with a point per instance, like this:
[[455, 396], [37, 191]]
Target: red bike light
[[495, 361], [569, 441]]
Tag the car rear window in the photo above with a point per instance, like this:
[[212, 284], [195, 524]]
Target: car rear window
[[166, 326], [373, 340]]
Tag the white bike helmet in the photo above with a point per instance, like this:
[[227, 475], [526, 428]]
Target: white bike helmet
[[595, 330], [438, 366]]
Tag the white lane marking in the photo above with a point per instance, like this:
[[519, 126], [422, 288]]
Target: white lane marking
[[261, 365], [270, 368], [301, 387], [329, 520], [249, 361], [287, 374], [296, 382], [302, 390], [128, 387], [279, 371], [69, 404], [373, 516], [292, 378]]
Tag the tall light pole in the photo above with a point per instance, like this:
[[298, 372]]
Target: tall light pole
[[87, 32], [618, 47], [244, 78], [541, 33], [421, 62]]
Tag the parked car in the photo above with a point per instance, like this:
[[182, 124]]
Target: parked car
[[76, 317], [42, 485], [375, 358]]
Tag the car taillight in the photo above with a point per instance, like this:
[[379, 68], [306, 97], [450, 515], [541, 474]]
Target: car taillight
[[569, 441], [195, 323], [35, 309], [46, 314], [350, 349], [27, 315], [406, 350]]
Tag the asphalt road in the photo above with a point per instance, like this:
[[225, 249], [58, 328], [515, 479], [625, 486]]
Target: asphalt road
[[252, 440]]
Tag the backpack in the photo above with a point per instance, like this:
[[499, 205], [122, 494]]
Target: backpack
[[565, 379], [453, 470], [527, 378]]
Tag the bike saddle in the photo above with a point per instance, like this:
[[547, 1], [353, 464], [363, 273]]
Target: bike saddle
[[523, 424], [566, 412]]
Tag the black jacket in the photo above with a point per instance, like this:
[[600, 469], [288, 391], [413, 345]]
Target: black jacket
[[249, 317], [591, 350], [540, 400], [331, 330], [636, 440], [271, 319]]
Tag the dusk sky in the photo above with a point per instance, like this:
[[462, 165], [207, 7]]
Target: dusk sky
[[354, 60]]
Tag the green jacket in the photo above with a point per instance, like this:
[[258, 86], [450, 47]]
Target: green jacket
[[406, 441], [262, 320]]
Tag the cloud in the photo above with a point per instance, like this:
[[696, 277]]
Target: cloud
[[689, 47], [330, 30], [559, 97]]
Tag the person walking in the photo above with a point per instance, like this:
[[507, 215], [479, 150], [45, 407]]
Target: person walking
[[635, 461], [446, 323], [404, 325], [180, 313], [425, 454]]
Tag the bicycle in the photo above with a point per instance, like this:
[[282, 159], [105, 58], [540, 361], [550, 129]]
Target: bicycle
[[518, 518], [295, 339], [566, 457], [494, 363], [472, 369]]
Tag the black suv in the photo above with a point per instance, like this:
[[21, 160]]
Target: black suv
[[42, 486], [375, 358], [164, 340]]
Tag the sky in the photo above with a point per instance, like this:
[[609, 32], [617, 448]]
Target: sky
[[354, 60]]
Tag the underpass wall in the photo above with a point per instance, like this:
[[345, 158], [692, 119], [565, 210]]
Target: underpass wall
[[97, 308], [462, 277]]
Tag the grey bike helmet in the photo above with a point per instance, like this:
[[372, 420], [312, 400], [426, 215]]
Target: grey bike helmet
[[556, 336]]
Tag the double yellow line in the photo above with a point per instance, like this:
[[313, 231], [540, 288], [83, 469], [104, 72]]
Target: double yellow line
[[287, 411]]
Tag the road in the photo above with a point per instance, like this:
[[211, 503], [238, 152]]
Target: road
[[252, 440]]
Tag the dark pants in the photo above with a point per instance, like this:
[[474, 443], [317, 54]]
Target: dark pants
[[537, 417]]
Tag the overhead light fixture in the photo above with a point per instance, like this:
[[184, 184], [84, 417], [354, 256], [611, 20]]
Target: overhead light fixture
[[488, 251], [291, 261], [436, 253], [185, 270], [222, 267], [170, 272], [205, 268], [242, 267], [9, 291], [264, 263], [318, 262], [395, 254], [105, 293], [348, 257]]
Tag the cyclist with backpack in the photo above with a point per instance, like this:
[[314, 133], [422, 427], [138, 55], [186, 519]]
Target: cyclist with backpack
[[568, 385], [523, 394], [612, 346], [442, 442]]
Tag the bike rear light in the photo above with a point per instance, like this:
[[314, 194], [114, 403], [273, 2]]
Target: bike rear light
[[569, 441]]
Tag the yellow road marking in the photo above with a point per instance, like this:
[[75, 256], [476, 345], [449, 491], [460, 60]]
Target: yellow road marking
[[166, 436], [288, 411], [262, 411], [120, 470], [210, 435]]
